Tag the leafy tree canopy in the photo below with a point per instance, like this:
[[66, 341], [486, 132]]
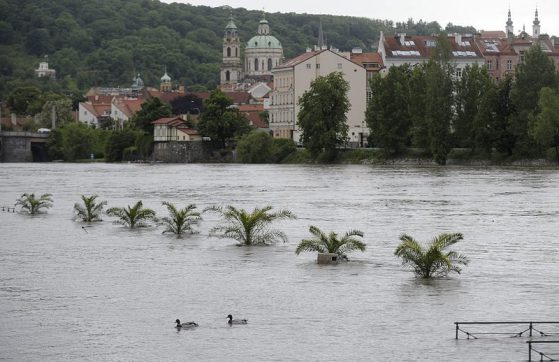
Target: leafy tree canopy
[[322, 116]]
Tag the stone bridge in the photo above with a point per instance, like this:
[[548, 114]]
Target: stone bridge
[[23, 147]]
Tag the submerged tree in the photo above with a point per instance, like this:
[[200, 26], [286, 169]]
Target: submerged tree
[[250, 228], [431, 261], [544, 126], [132, 217], [322, 117], [180, 221], [90, 210], [32, 205], [331, 243]]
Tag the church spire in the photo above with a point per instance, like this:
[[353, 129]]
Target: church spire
[[536, 26], [321, 43], [510, 28]]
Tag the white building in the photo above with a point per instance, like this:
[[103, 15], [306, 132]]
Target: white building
[[293, 78], [44, 71], [403, 49]]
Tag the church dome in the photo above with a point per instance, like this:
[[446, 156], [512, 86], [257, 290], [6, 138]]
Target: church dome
[[264, 42], [165, 77]]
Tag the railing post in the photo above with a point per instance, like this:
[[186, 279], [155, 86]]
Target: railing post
[[530, 329], [456, 330], [529, 351]]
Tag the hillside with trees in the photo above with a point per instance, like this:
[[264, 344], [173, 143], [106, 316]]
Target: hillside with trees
[[106, 42]]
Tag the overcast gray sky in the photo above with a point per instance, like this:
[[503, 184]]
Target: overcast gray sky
[[482, 14]]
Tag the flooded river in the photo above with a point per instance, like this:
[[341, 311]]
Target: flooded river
[[111, 294]]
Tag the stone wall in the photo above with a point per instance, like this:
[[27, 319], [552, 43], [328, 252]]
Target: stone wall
[[18, 146], [188, 152]]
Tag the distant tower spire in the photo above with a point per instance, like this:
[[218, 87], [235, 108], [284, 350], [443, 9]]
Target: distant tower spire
[[536, 26], [321, 43], [510, 28]]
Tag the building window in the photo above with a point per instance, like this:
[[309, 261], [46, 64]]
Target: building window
[[308, 66], [256, 64], [522, 56], [458, 72], [339, 65], [269, 64], [489, 65], [317, 66], [227, 76], [369, 95], [509, 64], [228, 52]]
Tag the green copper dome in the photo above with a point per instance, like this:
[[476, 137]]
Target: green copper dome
[[263, 42]]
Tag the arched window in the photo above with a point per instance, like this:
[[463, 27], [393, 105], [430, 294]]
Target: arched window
[[236, 52], [269, 64], [256, 64], [227, 76], [228, 51]]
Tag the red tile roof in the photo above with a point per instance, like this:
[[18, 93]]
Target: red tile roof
[[170, 121], [363, 58], [98, 109], [493, 34], [299, 59], [236, 97], [129, 106]]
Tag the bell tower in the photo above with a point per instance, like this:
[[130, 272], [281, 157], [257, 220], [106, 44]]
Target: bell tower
[[536, 26], [510, 28], [231, 69]]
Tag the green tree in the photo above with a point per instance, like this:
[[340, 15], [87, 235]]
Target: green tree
[[117, 142], [322, 116], [433, 260], [504, 110], [387, 113], [89, 210], [221, 121], [32, 205], [485, 123], [471, 87], [151, 110], [22, 97], [419, 130], [255, 147], [132, 217], [62, 112], [250, 228], [281, 148], [331, 243], [544, 125], [78, 141], [537, 71], [182, 220]]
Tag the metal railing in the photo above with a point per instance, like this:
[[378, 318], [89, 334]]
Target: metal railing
[[543, 356], [530, 324], [8, 208]]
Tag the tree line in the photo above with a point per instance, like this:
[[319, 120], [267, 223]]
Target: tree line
[[107, 42], [430, 107]]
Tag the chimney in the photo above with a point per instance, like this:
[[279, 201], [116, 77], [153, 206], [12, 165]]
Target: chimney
[[308, 50], [458, 38], [402, 38]]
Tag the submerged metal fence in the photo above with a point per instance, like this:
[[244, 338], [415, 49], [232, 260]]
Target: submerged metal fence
[[530, 329], [548, 356]]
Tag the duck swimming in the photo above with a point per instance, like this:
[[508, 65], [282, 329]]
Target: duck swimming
[[185, 324], [235, 321]]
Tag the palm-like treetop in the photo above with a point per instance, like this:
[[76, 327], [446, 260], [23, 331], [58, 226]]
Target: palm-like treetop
[[90, 210], [331, 243], [132, 217], [32, 205], [180, 221], [431, 261], [250, 228]]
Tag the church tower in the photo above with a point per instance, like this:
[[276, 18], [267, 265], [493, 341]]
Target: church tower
[[165, 85], [536, 26], [510, 28], [231, 67]]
